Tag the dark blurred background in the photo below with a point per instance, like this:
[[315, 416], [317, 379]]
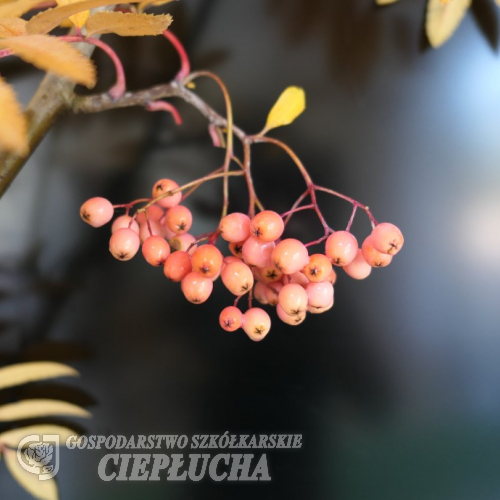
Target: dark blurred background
[[396, 390]]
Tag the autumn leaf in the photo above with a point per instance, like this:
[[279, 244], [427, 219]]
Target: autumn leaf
[[290, 104], [23, 373], [51, 54], [12, 26], [152, 3], [43, 490], [33, 408], [49, 19], [443, 18], [13, 437], [79, 19], [128, 24], [17, 8], [13, 124], [385, 2]]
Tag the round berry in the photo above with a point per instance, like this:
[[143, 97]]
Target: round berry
[[177, 266], [235, 227], [97, 211], [341, 247], [124, 244], [319, 294], [259, 293], [387, 238], [332, 278], [155, 213], [299, 278], [164, 186], [182, 242], [257, 253], [290, 256], [155, 250], [293, 299], [297, 319], [229, 259], [231, 318], [179, 219], [272, 293], [267, 226], [125, 221], [238, 278], [374, 257], [196, 288], [269, 274], [145, 233], [237, 249], [319, 310], [256, 323], [358, 269], [319, 268], [207, 260]]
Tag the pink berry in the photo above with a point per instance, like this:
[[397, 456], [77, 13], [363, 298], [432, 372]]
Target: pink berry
[[358, 269], [272, 293], [179, 219], [124, 244], [177, 266], [319, 310], [155, 213], [231, 258], [268, 274], [124, 221], [97, 211], [319, 268], [374, 257], [293, 299], [237, 249], [235, 227], [144, 232], [207, 260], [231, 318], [294, 320], [196, 288], [341, 247], [164, 186], [182, 242], [267, 226], [332, 278], [256, 323], [290, 256], [319, 294], [155, 250], [238, 278], [259, 293], [299, 278], [257, 253], [387, 238]]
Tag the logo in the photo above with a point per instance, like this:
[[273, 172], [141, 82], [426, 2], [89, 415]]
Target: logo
[[39, 454]]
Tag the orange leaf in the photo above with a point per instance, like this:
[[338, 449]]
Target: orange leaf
[[12, 26], [128, 24], [13, 124], [442, 19], [153, 3], [17, 8], [49, 19], [51, 54], [79, 19]]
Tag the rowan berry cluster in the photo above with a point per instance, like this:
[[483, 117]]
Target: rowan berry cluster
[[262, 265]]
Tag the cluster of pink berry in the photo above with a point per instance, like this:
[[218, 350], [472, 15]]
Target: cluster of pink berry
[[274, 271]]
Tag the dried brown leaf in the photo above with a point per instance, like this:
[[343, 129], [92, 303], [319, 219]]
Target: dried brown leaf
[[128, 24], [13, 124]]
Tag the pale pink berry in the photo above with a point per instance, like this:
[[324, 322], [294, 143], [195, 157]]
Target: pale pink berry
[[374, 257], [231, 258], [358, 269], [207, 260], [155, 213], [267, 226], [318, 268], [145, 233], [256, 323], [341, 247], [290, 256], [294, 320], [124, 244], [196, 288], [238, 278], [97, 211], [124, 221], [298, 278], [182, 242], [333, 277], [164, 186], [231, 318], [155, 250], [177, 266], [319, 294], [319, 310], [272, 293], [179, 219], [293, 299], [258, 253], [387, 238], [259, 293], [166, 231], [237, 248], [235, 227]]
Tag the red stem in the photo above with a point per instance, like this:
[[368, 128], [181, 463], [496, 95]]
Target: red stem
[[185, 64], [165, 106]]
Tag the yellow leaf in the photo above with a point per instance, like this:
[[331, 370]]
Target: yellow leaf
[[32, 408], [29, 372], [13, 437], [153, 3], [51, 54], [443, 18], [289, 106], [49, 19], [17, 8], [79, 19], [13, 123], [128, 24], [12, 26], [43, 490], [497, 2], [385, 2]]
